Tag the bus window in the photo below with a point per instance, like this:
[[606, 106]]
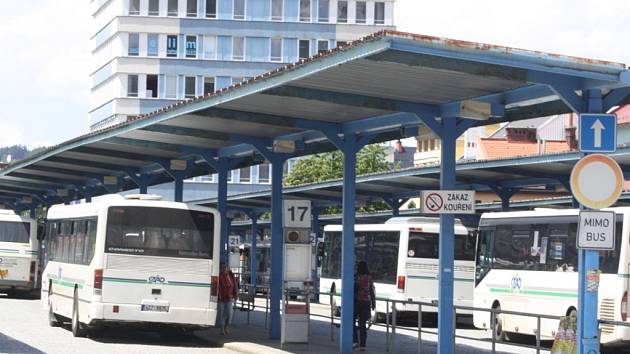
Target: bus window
[[484, 256], [422, 245], [18, 232]]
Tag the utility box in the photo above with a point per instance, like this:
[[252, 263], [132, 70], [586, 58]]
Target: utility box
[[295, 322]]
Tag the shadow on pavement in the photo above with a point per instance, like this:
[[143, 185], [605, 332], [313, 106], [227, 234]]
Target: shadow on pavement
[[11, 345]]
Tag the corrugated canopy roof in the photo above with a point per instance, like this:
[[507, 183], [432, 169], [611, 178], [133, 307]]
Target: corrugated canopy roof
[[382, 86]]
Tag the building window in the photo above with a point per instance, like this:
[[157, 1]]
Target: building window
[[305, 10], [171, 86], [171, 46], [239, 9], [209, 47], [361, 12], [263, 173], [322, 11], [134, 44], [191, 8], [379, 13], [172, 8], [246, 175], [152, 86], [238, 48], [152, 44], [276, 10], [322, 46], [208, 85], [190, 83], [154, 7], [211, 8], [191, 46], [132, 85], [342, 12], [276, 49], [305, 48], [134, 7]]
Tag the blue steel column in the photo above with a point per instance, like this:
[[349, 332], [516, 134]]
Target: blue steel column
[[588, 260], [277, 247], [179, 187], [143, 187], [222, 186], [347, 243], [253, 262], [33, 212], [315, 228], [446, 243]]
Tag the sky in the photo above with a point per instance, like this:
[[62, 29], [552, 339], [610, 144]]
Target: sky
[[45, 52]]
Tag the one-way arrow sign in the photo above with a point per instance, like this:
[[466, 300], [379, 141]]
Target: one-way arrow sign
[[598, 132]]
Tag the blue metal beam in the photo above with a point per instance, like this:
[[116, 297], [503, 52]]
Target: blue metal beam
[[615, 97]]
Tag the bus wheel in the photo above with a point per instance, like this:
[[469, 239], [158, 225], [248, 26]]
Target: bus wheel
[[499, 334], [77, 327], [53, 320]]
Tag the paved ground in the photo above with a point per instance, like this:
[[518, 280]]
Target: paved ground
[[23, 329]]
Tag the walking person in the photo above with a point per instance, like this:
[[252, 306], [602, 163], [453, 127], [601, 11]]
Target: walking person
[[228, 290], [364, 301]]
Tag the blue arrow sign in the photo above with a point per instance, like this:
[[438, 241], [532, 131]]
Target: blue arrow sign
[[598, 132]]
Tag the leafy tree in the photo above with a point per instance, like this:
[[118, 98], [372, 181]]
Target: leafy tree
[[329, 166]]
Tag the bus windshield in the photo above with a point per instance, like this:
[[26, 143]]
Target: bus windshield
[[161, 232], [17, 232], [378, 248]]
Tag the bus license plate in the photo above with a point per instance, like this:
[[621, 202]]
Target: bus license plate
[[154, 308]]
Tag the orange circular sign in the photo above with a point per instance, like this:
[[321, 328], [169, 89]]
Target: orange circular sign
[[596, 181]]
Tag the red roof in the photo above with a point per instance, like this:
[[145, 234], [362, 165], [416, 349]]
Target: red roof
[[490, 149], [623, 114]]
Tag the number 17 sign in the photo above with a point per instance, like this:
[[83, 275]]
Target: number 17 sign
[[297, 213]]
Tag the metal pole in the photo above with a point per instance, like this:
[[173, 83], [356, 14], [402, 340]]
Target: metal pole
[[446, 241], [332, 318], [537, 334], [387, 339], [347, 244], [588, 261], [393, 340], [144, 183], [277, 247], [266, 307], [419, 328], [493, 320], [222, 208], [253, 261], [179, 186]]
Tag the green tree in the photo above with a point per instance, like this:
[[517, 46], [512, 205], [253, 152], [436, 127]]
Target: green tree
[[329, 166]]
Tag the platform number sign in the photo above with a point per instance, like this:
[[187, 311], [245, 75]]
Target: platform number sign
[[297, 213]]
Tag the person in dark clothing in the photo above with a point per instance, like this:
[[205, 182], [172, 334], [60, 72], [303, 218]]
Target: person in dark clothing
[[364, 301]]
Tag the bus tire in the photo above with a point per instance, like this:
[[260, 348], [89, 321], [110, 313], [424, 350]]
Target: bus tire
[[78, 329], [53, 319], [499, 333]]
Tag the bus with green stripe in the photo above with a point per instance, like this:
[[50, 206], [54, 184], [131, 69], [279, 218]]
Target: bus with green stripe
[[527, 261], [402, 255], [18, 253], [131, 261]]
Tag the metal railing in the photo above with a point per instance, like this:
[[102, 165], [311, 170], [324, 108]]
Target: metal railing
[[391, 324]]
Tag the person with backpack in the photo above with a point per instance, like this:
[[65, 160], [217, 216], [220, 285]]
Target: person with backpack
[[364, 301]]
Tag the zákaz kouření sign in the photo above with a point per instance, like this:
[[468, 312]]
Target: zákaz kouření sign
[[448, 202]]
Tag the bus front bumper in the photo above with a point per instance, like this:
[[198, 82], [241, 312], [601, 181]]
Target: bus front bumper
[[130, 313]]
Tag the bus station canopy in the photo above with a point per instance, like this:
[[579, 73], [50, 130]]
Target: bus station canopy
[[550, 172], [382, 87]]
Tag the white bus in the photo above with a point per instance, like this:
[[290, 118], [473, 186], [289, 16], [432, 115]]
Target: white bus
[[18, 253], [119, 261], [527, 262], [402, 256]]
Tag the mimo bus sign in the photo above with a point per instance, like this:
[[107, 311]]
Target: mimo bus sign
[[596, 230]]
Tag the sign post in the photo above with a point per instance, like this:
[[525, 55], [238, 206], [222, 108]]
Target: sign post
[[596, 182]]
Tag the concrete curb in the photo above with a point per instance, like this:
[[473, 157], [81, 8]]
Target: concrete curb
[[252, 348]]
